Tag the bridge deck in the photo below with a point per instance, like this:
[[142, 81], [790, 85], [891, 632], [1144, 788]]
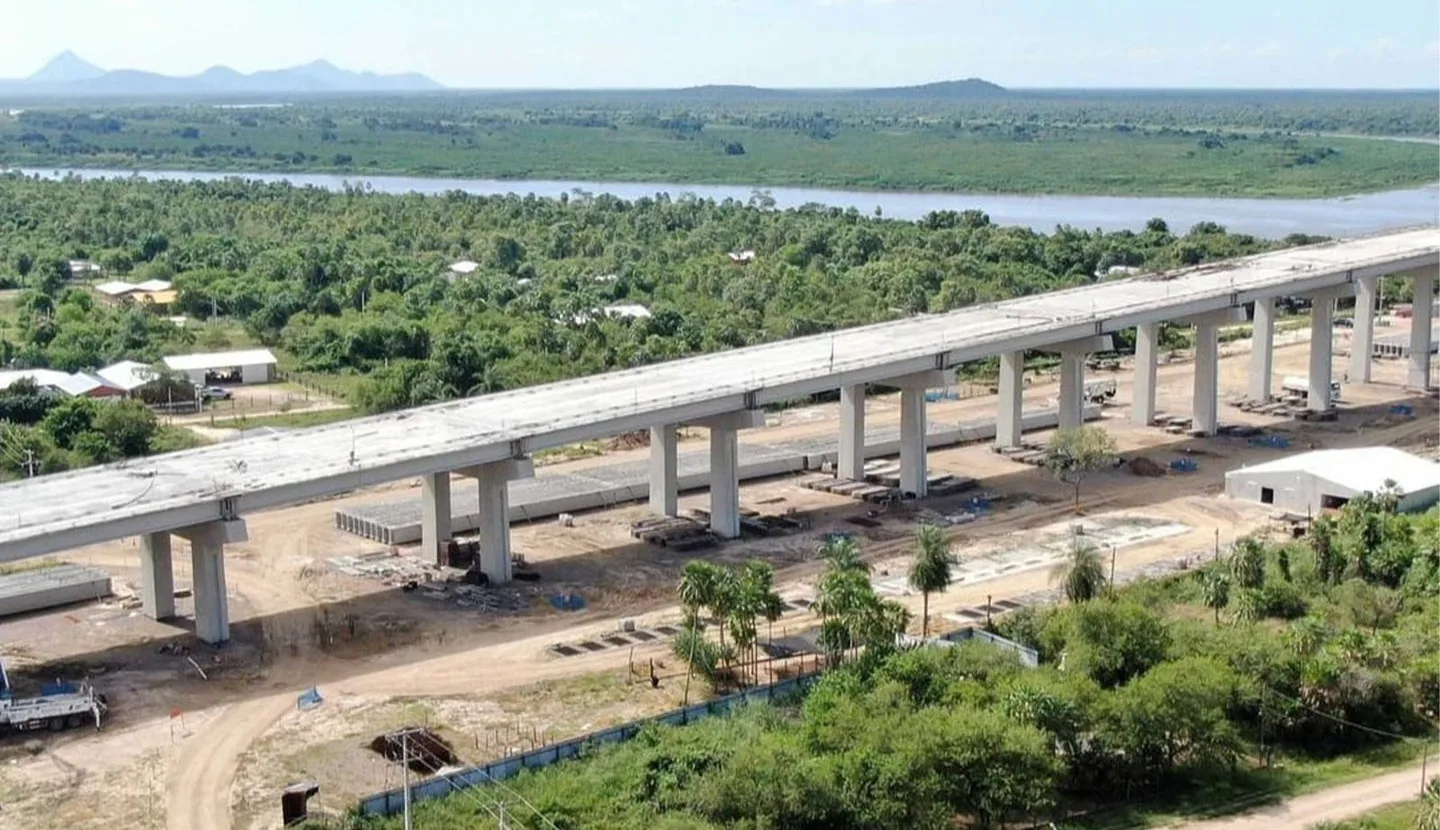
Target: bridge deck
[[163, 492]]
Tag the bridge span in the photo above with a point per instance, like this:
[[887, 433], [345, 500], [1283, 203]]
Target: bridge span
[[204, 494]]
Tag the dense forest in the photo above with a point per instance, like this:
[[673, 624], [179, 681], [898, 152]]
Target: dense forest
[[1200, 143], [357, 283], [1214, 681]]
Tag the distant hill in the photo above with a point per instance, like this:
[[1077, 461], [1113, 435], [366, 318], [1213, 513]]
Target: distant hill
[[967, 88], [68, 74], [64, 68]]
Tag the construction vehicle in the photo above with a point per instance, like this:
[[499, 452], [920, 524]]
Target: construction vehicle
[[1099, 391], [59, 706]]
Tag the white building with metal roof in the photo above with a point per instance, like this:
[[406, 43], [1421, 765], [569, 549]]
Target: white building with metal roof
[[246, 366], [1325, 479]]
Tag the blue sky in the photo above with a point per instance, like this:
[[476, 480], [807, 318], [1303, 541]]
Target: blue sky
[[668, 43]]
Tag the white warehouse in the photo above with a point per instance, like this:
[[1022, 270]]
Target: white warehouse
[[1326, 479], [248, 366]]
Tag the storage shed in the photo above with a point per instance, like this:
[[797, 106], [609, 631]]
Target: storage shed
[[246, 367], [1327, 479]]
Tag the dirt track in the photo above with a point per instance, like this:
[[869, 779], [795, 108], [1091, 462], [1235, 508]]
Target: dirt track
[[277, 580], [1334, 804]]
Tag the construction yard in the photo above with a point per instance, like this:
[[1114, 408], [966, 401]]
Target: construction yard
[[202, 738]]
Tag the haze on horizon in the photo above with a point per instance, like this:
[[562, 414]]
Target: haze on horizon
[[777, 43]]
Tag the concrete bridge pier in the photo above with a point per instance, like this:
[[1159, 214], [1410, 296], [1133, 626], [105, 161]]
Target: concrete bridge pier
[[1205, 398], [1420, 332], [914, 474], [435, 530], [851, 460], [1072, 375], [1012, 387], [493, 522], [207, 565], [664, 470], [1147, 352], [1322, 337], [725, 468], [157, 576], [1262, 350], [1363, 341]]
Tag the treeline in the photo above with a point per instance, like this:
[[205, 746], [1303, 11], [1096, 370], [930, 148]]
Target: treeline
[[1318, 648], [358, 283], [46, 432]]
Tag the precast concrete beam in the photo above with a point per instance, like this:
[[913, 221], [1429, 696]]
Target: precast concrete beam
[[1418, 376], [664, 470], [157, 576], [435, 531], [1322, 333], [1363, 339], [492, 485], [1221, 317], [851, 460], [1012, 384], [1262, 349], [207, 567], [1147, 350]]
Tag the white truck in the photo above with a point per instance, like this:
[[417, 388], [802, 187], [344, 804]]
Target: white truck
[[59, 706], [1296, 385], [1099, 391]]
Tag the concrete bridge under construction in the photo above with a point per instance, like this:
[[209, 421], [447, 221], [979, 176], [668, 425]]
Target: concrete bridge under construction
[[203, 495]]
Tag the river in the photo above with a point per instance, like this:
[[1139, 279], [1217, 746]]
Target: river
[[1343, 216]]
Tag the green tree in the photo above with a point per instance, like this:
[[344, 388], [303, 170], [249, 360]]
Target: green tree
[[1329, 563], [1247, 563], [1215, 590], [1081, 572], [1074, 453], [931, 569], [70, 419]]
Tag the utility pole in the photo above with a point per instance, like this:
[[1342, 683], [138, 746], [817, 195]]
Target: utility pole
[[30, 463], [405, 770], [504, 825], [1112, 569]]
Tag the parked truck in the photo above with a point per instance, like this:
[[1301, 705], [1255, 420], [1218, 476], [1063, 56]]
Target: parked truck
[[59, 706], [1296, 385], [1099, 391]]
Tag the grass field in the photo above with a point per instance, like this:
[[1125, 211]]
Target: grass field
[[1017, 158]]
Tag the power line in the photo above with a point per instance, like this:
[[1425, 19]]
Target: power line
[[1338, 720]]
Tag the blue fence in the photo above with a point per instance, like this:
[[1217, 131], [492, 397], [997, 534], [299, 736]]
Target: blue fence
[[391, 802]]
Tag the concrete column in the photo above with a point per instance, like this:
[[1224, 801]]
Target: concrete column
[[724, 481], [1362, 343], [664, 470], [1424, 291], [1262, 349], [207, 565], [1206, 400], [1012, 387], [851, 462], [435, 531], [1322, 329], [1072, 388], [157, 576], [1147, 349], [492, 523], [913, 474]]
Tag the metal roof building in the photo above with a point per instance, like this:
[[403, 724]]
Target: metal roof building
[[1326, 479], [245, 366]]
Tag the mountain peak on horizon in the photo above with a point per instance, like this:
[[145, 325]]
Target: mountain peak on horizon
[[65, 67]]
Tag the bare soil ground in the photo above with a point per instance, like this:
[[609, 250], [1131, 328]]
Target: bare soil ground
[[381, 657]]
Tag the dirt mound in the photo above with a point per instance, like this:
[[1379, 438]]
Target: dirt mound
[[425, 751], [1142, 466]]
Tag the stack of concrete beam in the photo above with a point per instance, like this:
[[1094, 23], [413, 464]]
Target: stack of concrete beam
[[551, 493], [51, 586]]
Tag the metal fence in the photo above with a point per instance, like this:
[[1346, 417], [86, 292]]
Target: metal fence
[[391, 802]]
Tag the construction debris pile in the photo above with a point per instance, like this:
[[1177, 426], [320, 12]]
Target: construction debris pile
[[423, 750]]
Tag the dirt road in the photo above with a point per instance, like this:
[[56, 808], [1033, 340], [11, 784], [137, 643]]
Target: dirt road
[[1333, 804]]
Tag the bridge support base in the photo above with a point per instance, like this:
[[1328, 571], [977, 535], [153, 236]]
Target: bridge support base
[[1012, 382]]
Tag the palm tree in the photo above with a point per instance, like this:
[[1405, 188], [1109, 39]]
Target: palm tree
[[842, 553], [1247, 563], [1329, 562], [1082, 572], [931, 569], [1428, 816], [698, 583], [1215, 589]]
